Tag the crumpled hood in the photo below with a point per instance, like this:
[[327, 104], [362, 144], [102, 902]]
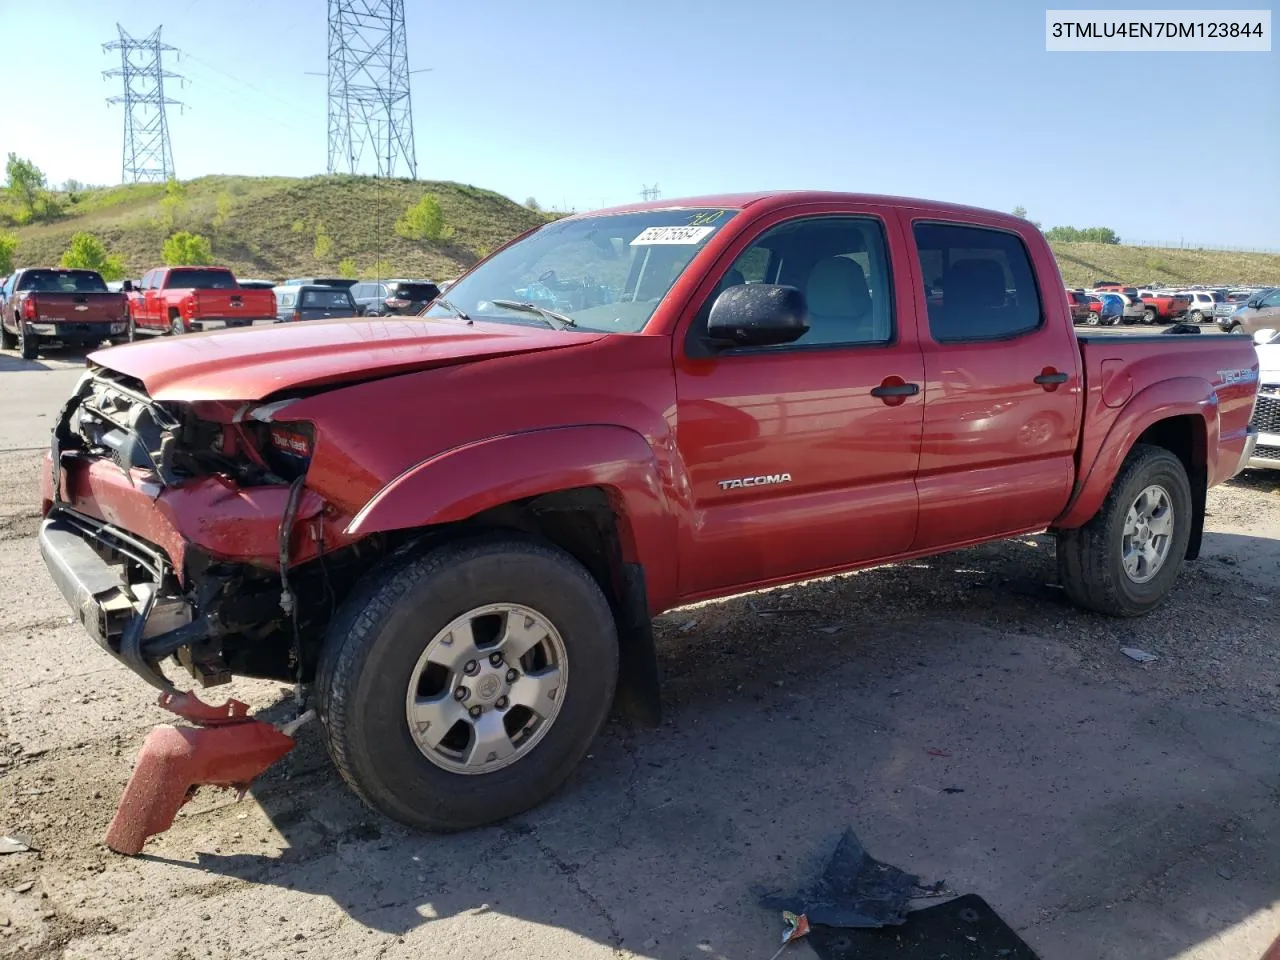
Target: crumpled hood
[[254, 363]]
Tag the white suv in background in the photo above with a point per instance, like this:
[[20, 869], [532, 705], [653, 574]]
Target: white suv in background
[[1134, 309], [1203, 304], [1266, 410]]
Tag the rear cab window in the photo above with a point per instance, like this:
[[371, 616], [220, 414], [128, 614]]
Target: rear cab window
[[325, 299], [979, 283], [186, 279]]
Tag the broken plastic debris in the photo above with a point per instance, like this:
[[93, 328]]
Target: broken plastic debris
[[796, 927], [854, 890], [12, 843], [1133, 653]]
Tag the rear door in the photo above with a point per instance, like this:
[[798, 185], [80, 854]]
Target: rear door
[[1003, 384], [802, 457]]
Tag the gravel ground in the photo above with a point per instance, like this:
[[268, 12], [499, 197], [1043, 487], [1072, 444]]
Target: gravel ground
[[955, 711]]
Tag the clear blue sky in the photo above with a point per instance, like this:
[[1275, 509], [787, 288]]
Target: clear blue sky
[[585, 101]]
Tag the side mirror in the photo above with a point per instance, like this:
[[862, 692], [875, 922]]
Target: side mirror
[[758, 315], [1261, 337], [126, 286], [1253, 304]]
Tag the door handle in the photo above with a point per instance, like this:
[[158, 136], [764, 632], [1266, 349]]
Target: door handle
[[896, 390], [1051, 378]]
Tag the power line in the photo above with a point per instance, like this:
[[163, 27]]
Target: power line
[[651, 193], [369, 102], [148, 154]]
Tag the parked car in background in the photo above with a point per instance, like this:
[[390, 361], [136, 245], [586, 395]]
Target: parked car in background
[[1203, 305], [176, 300], [1163, 306], [1079, 302], [1266, 410], [475, 585], [73, 308], [254, 284], [1259, 312], [1135, 311], [1105, 309], [323, 281], [394, 297], [313, 301]]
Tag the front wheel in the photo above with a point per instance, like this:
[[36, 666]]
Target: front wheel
[[1195, 317], [8, 341], [1149, 315], [1124, 561], [462, 687], [1235, 328]]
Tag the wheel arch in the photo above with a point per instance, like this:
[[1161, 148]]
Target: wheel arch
[[1180, 415]]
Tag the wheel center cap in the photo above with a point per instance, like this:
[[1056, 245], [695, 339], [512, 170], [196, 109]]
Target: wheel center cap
[[489, 687]]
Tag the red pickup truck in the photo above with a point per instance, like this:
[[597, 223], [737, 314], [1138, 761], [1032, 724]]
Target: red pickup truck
[[647, 406], [56, 305], [177, 300], [1163, 307]]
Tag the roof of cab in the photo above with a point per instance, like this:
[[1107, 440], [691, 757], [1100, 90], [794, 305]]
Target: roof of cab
[[741, 201]]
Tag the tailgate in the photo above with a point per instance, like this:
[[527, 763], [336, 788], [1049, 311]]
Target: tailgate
[[79, 307], [230, 304]]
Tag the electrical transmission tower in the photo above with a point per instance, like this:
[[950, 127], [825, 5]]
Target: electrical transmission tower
[[651, 193], [369, 105], [148, 156]]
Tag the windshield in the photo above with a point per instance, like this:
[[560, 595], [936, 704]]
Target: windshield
[[605, 272], [326, 299], [413, 291]]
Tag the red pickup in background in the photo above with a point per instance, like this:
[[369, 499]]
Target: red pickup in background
[[182, 299]]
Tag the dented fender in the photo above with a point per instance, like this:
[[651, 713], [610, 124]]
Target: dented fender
[[1181, 396], [467, 480]]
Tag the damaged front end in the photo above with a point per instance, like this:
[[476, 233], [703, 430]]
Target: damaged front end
[[186, 530]]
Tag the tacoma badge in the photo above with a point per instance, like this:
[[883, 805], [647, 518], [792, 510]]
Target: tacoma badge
[[755, 481]]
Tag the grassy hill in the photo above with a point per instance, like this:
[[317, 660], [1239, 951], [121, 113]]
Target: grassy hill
[[267, 227], [1084, 263]]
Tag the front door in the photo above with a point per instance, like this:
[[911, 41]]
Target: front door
[[1003, 387], [802, 458]]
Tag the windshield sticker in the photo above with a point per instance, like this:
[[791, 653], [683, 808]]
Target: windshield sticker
[[705, 217], [679, 235]]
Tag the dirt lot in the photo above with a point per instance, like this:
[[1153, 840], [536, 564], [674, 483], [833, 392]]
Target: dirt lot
[[1107, 809]]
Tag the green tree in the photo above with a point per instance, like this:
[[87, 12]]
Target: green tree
[[532, 204], [1020, 211], [25, 184], [87, 252], [347, 269], [378, 270], [222, 210], [173, 204], [8, 245], [1087, 235], [323, 248], [424, 221], [185, 249]]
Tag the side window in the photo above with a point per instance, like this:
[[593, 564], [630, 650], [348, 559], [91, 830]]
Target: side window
[[840, 264], [1271, 300], [979, 283], [286, 299]]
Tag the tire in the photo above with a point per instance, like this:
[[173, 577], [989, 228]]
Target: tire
[[176, 326], [1195, 316], [1235, 328], [1093, 320], [28, 344], [1091, 558], [131, 331], [385, 631], [8, 341], [1149, 315]]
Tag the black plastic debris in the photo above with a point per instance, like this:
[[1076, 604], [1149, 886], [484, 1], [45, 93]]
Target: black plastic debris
[[855, 890], [965, 928]]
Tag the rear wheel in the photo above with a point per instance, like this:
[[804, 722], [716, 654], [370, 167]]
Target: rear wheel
[[28, 343], [1124, 561], [1195, 316], [462, 687], [8, 341], [1094, 319], [176, 326]]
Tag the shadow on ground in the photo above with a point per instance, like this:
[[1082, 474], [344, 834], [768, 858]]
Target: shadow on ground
[[967, 722]]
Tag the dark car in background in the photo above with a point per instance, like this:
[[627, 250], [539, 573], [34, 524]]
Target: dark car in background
[[321, 281], [314, 301], [385, 298]]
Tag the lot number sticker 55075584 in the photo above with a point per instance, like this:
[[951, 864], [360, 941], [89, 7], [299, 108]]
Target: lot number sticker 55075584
[[684, 235]]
